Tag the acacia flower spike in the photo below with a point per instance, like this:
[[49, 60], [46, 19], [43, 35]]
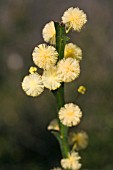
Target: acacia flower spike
[[60, 63]]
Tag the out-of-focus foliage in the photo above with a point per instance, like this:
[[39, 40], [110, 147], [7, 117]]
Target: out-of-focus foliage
[[24, 141]]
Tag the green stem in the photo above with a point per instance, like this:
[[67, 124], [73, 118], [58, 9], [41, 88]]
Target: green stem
[[63, 129], [61, 40]]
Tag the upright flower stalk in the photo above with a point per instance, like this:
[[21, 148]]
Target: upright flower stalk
[[60, 63], [62, 136], [60, 46]]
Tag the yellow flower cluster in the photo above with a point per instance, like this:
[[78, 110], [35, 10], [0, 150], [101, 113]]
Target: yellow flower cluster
[[46, 57]]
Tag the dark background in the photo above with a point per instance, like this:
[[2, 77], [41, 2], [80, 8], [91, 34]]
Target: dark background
[[25, 143]]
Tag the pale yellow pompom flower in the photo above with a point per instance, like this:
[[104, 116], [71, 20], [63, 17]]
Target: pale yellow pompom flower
[[49, 33], [53, 125], [45, 56], [72, 162], [51, 79], [73, 51], [70, 114], [79, 140], [74, 18], [32, 85], [69, 69]]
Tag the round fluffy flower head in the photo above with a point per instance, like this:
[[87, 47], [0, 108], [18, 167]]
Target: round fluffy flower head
[[51, 78], [72, 162], [32, 85], [79, 140], [74, 18], [82, 140], [49, 33], [68, 69], [72, 50], [45, 56], [70, 115]]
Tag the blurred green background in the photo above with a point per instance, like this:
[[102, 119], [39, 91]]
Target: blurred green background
[[25, 143]]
